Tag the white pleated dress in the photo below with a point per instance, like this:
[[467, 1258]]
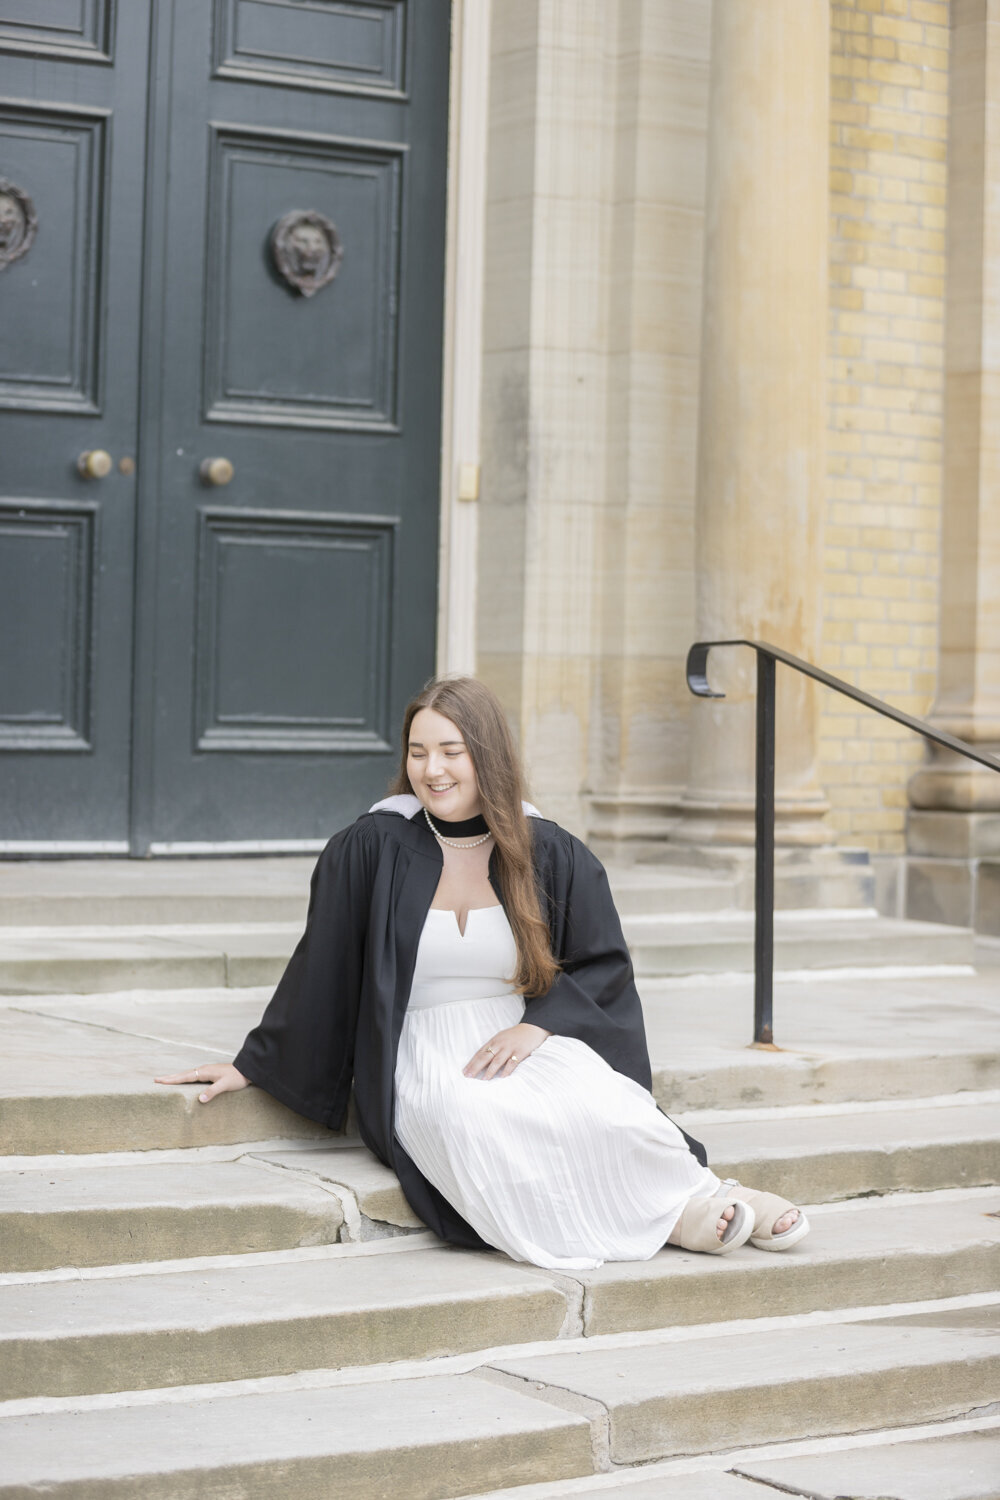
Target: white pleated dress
[[565, 1163]]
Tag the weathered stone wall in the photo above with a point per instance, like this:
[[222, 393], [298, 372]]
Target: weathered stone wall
[[592, 337], [889, 126]]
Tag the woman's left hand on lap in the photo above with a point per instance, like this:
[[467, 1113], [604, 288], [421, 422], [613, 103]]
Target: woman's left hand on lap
[[502, 1053]]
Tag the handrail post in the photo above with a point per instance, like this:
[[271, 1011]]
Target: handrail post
[[763, 966], [767, 661]]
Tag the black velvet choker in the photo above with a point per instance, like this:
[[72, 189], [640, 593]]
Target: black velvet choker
[[470, 829]]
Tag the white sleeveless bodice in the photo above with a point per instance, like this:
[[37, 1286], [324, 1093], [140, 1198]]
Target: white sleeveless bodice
[[451, 967]]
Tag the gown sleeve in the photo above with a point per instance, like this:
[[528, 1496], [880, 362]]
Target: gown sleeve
[[302, 1052], [594, 997]]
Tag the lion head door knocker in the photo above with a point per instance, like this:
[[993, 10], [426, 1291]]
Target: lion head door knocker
[[18, 222], [307, 250]]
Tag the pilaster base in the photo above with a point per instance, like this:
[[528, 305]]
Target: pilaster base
[[957, 892], [808, 878], [953, 869], [800, 822], [645, 828], [963, 789], [953, 835], [632, 826]]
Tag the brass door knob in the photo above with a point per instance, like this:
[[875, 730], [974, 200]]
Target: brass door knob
[[216, 471], [94, 464]]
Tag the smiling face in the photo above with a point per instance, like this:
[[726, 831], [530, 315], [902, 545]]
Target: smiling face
[[440, 767]]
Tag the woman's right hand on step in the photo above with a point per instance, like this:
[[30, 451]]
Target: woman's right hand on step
[[223, 1077]]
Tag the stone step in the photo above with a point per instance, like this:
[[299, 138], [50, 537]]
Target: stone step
[[654, 890], [723, 942], [819, 1155], [91, 959], [959, 1461], [809, 1154], [873, 1251], [77, 1071], [517, 1416], [842, 1037], [97, 1215], [964, 1467], [271, 1315], [68, 893], [411, 1439], [838, 876], [75, 892], [719, 1389], [291, 1312], [56, 1213], [89, 1088]]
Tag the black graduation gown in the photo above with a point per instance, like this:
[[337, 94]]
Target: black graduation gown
[[338, 1010]]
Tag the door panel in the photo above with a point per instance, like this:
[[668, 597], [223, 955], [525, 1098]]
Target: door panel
[[49, 554], [348, 47], [271, 355], [255, 688], [81, 30], [50, 356], [71, 145], [293, 609]]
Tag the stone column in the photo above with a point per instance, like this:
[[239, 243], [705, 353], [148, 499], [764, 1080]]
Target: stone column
[[954, 825], [640, 744], [548, 219], [762, 407]]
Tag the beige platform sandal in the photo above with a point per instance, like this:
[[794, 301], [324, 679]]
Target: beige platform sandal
[[767, 1209], [696, 1228]]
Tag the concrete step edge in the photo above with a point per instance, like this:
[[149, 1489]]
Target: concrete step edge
[[182, 1439], [345, 1166], [422, 1239], [810, 1380], [580, 1464], [39, 1121], [64, 1338], [865, 920], [74, 1338], [966, 1098], [60, 1216], [404, 1371], [645, 1478], [323, 1442], [846, 1156], [37, 1124], [253, 1150]]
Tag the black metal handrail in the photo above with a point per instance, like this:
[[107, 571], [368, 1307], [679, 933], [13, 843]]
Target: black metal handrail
[[767, 659]]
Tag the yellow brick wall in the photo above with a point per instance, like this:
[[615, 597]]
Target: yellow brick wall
[[889, 123]]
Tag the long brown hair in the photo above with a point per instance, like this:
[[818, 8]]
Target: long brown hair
[[477, 713]]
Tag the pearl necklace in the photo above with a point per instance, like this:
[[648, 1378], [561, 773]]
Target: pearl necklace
[[455, 843]]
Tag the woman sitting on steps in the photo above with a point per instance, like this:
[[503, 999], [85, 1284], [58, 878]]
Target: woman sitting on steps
[[463, 965]]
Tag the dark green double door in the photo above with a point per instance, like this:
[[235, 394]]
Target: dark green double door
[[236, 268]]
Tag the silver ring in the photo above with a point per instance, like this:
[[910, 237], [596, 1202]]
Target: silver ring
[[492, 1051], [513, 1059]]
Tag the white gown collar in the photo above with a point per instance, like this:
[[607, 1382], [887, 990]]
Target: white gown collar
[[407, 805]]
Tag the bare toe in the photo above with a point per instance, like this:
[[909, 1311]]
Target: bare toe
[[724, 1221], [786, 1221]]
